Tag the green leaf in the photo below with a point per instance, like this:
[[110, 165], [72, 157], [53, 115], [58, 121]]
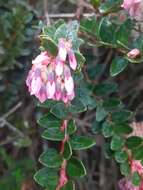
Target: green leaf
[[106, 30], [47, 104], [133, 142], [77, 106], [136, 179], [111, 103], [107, 129], [53, 134], [105, 88], [109, 6], [67, 151], [49, 45], [89, 25], [101, 113], [138, 153], [117, 66], [122, 128], [59, 110], [125, 168], [71, 127], [61, 32], [51, 158], [96, 127], [123, 33], [81, 142], [121, 156], [75, 168], [121, 116], [117, 142], [49, 120], [107, 151], [69, 186], [47, 178]]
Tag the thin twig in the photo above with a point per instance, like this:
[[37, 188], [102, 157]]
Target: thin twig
[[45, 3], [11, 111], [69, 15]]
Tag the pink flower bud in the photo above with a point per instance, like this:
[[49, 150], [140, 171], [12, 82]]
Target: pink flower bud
[[41, 95], [59, 65], [134, 53], [72, 59], [50, 88], [62, 54]]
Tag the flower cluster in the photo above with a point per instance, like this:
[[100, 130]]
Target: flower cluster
[[126, 184], [50, 77], [134, 7]]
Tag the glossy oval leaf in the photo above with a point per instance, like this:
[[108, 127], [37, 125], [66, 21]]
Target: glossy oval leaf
[[117, 66], [51, 158], [75, 168], [47, 178], [81, 142]]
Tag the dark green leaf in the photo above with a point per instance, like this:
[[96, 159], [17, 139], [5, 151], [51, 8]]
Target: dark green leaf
[[71, 127], [138, 153], [121, 116], [136, 179], [49, 120], [89, 25], [121, 156], [122, 128], [81, 142], [117, 66], [125, 168], [106, 30], [101, 113], [49, 45], [59, 110], [105, 88], [111, 103], [123, 33], [75, 168], [96, 127], [51, 158], [117, 142], [67, 151], [47, 178], [107, 129], [133, 142], [77, 106], [69, 186], [53, 134]]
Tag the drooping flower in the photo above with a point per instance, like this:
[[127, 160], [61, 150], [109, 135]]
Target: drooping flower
[[50, 77], [134, 7], [65, 49], [134, 53]]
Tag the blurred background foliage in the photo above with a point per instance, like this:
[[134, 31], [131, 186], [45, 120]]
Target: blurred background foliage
[[20, 142]]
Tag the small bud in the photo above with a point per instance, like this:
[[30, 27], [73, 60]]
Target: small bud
[[134, 53]]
